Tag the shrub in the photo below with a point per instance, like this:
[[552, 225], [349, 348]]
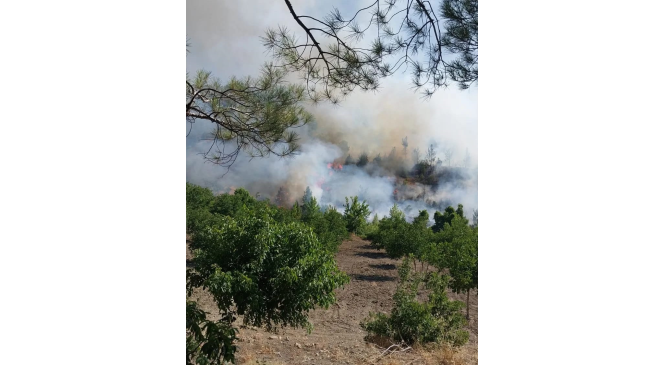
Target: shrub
[[229, 205], [436, 320], [447, 216], [209, 342], [257, 261], [355, 214], [388, 227], [332, 229], [272, 273], [370, 231], [311, 210], [400, 238], [199, 197], [461, 247]]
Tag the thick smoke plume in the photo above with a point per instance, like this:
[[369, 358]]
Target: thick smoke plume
[[329, 160], [225, 40]]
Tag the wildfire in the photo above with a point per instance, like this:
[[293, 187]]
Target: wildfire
[[332, 167]]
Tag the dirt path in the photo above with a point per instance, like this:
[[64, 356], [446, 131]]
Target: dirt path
[[337, 337]]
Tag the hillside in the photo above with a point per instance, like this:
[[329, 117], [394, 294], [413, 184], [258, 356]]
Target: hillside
[[337, 337]]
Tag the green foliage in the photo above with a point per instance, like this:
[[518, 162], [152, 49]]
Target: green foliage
[[462, 249], [296, 211], [256, 115], [229, 205], [460, 37], [446, 217], [310, 209], [329, 226], [208, 342], [331, 229], [422, 34], [356, 214], [390, 230], [459, 210], [422, 219], [400, 238], [199, 197], [269, 272], [258, 261], [199, 201], [307, 195], [283, 215], [198, 219], [456, 249], [371, 229], [436, 320]]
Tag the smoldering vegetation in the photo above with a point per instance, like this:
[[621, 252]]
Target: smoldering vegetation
[[415, 178], [394, 121]]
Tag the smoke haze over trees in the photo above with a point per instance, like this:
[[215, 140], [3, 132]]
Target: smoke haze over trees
[[225, 40]]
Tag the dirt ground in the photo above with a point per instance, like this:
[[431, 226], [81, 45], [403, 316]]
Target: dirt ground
[[337, 337]]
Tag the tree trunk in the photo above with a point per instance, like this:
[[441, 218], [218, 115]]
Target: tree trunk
[[468, 304]]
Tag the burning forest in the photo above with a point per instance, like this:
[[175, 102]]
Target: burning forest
[[386, 147], [413, 180]]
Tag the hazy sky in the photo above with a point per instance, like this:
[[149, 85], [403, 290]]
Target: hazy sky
[[224, 38]]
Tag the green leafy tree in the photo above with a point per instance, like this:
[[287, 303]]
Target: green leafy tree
[[371, 229], [436, 320], [356, 214], [447, 216], [199, 197], [307, 196], [421, 237], [230, 204], [461, 242], [422, 219], [331, 228], [389, 228], [459, 211], [252, 115], [270, 273], [418, 35], [199, 201], [400, 238], [296, 211], [311, 211]]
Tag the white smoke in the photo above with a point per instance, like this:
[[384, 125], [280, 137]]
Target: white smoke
[[225, 40]]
